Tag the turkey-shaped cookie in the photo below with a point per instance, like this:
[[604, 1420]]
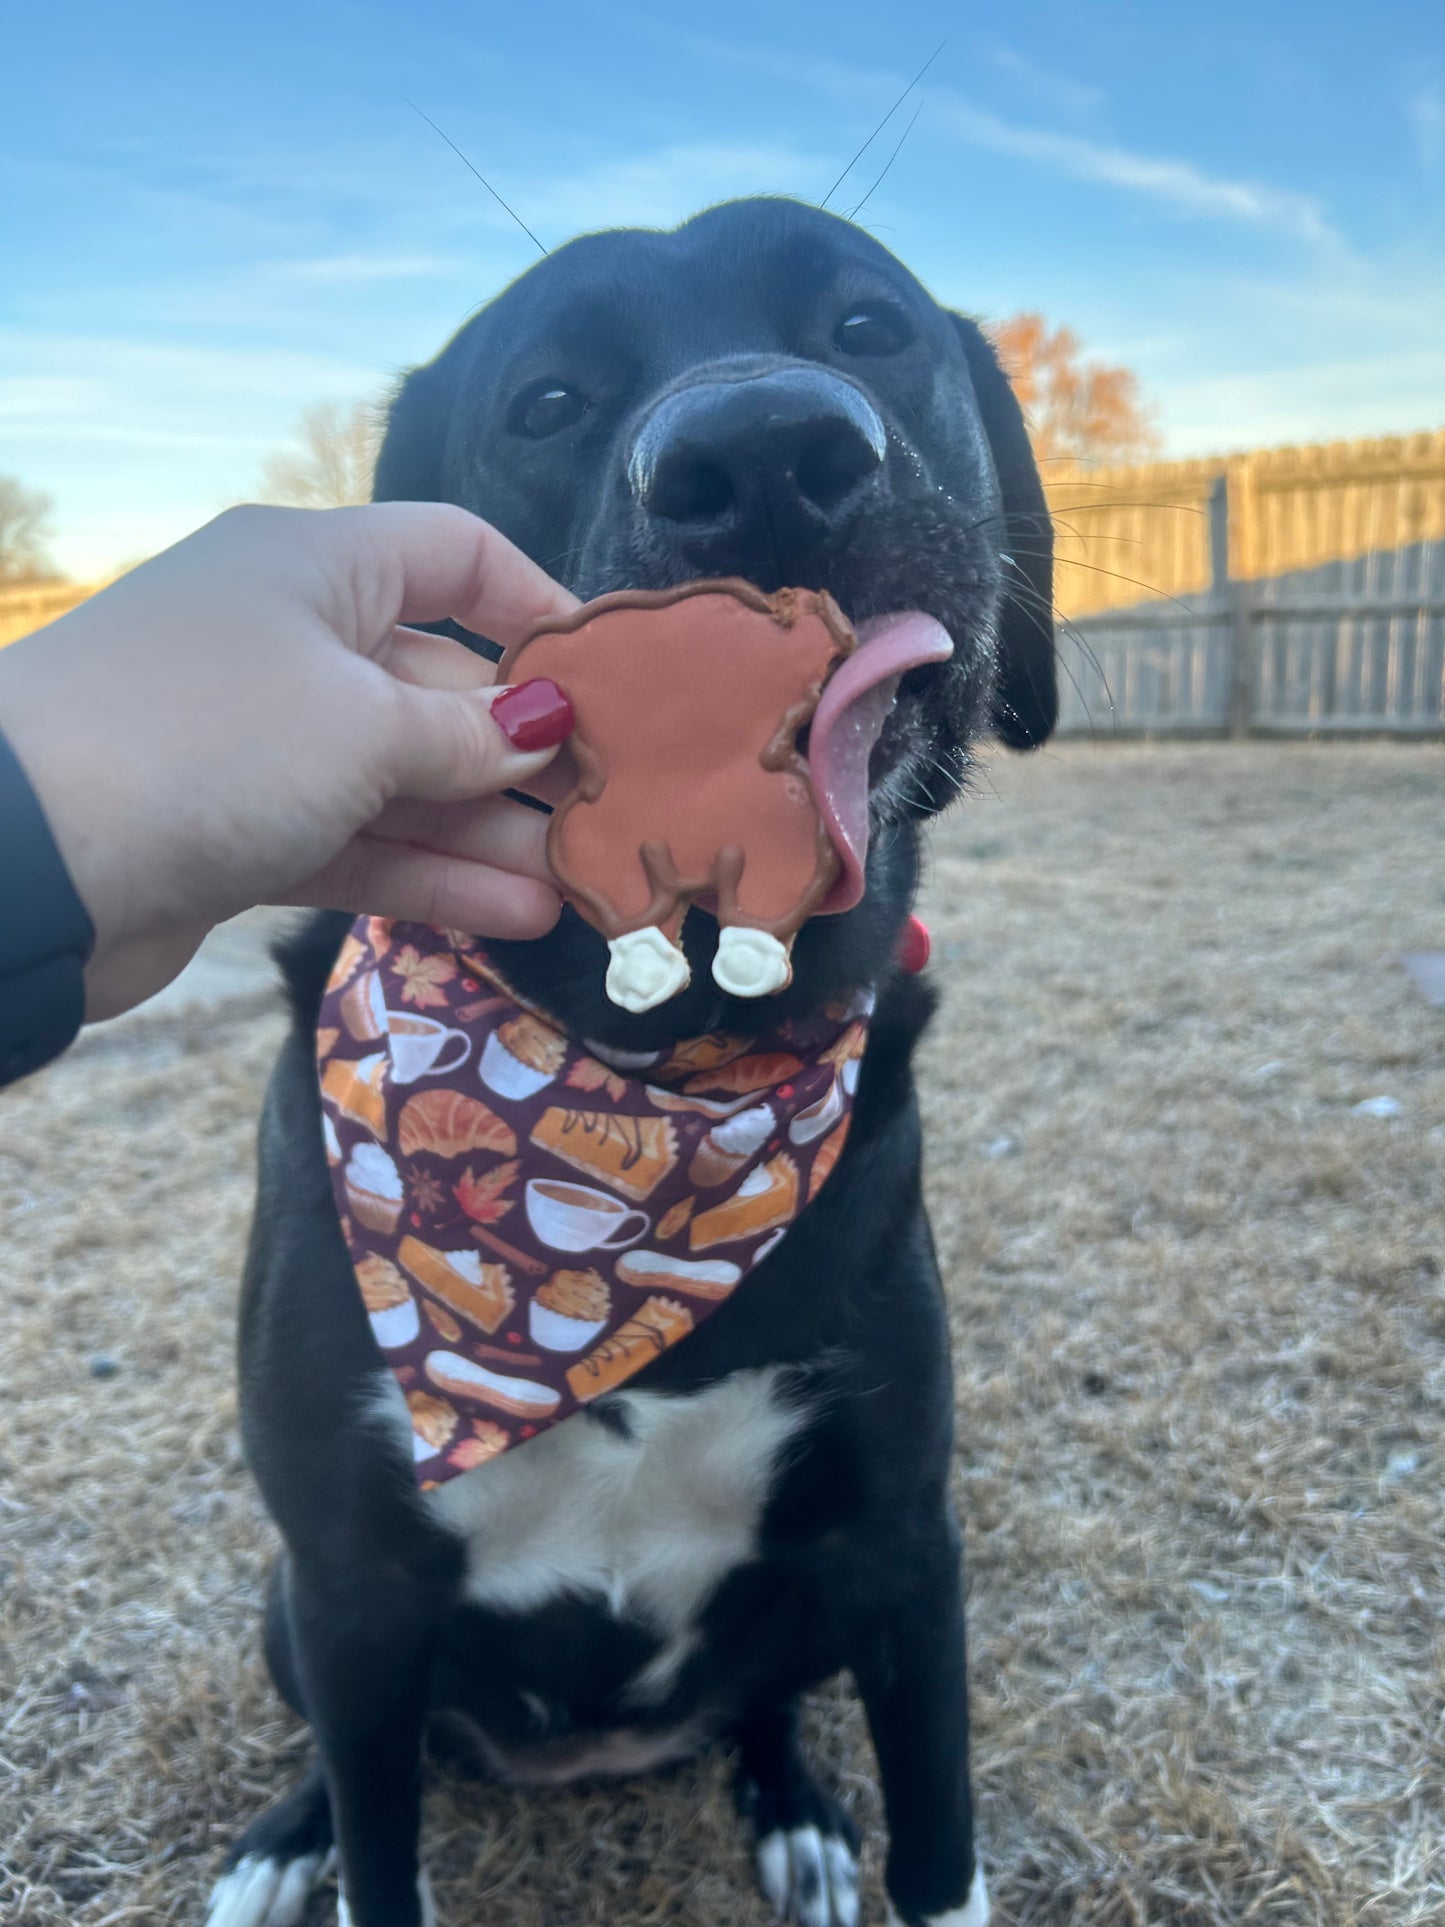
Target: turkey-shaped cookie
[[689, 703]]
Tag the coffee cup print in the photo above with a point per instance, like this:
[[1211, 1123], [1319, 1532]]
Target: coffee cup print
[[770, 1243], [421, 1047], [575, 1217]]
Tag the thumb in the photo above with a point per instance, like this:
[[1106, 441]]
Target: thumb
[[452, 745]]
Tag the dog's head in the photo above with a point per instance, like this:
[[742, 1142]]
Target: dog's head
[[768, 393]]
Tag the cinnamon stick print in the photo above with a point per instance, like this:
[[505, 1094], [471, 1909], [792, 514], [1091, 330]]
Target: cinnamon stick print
[[523, 1260]]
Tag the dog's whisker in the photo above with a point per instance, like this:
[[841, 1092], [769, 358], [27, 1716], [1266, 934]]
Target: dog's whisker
[[1025, 597], [1150, 589], [858, 206], [480, 176], [879, 128]]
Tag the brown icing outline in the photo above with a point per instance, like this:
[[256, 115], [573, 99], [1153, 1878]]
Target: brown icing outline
[[673, 894]]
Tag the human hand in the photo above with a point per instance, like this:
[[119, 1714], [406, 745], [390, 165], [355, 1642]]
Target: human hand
[[246, 720]]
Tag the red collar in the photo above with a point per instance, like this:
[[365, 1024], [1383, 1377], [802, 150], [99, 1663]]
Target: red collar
[[915, 946]]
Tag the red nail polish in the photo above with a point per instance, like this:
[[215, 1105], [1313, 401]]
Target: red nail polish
[[534, 715]]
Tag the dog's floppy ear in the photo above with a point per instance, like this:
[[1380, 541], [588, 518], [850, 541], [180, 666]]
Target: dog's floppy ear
[[408, 469], [1026, 696]]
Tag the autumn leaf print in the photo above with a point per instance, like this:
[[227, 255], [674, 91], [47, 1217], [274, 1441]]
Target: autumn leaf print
[[483, 1198], [422, 977], [588, 1075]]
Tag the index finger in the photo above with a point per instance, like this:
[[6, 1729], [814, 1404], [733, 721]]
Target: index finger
[[433, 560]]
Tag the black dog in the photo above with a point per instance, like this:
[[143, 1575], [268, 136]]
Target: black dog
[[767, 1503]]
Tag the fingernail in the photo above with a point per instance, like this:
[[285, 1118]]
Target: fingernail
[[534, 715]]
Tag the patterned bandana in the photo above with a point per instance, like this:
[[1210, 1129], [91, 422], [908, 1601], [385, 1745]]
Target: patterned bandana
[[532, 1218]]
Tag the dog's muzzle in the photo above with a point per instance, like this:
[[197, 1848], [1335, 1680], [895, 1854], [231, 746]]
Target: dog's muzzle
[[748, 465]]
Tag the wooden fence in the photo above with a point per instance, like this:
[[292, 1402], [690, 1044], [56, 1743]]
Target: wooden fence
[[1290, 591]]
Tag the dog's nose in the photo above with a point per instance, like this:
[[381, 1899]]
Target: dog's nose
[[756, 460]]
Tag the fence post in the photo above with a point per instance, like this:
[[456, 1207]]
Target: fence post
[[1241, 707], [1219, 537], [1233, 596]]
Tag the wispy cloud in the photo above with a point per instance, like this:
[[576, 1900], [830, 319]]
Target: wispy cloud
[[1320, 400], [1168, 181], [1425, 110], [120, 366], [340, 268], [660, 188], [844, 81], [1175, 184], [1055, 92], [152, 436]]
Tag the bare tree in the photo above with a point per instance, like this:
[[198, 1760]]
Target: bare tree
[[1077, 410], [332, 464], [24, 535]]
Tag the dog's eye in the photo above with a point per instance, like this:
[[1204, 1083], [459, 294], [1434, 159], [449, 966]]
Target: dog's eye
[[544, 409], [874, 330]]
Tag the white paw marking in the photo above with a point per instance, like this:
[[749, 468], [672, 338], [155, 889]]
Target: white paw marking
[[842, 1880], [423, 1894], [262, 1892], [750, 963], [807, 1878], [973, 1912], [772, 1864], [645, 969]]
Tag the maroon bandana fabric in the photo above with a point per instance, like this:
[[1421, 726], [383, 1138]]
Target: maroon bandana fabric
[[533, 1218]]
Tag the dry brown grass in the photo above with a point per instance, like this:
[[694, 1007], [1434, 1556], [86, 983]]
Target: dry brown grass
[[1201, 1362]]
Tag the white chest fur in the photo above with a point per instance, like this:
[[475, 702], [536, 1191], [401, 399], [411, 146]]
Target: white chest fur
[[647, 1521]]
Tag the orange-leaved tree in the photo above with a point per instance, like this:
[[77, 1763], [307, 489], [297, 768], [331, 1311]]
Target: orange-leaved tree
[[1077, 410]]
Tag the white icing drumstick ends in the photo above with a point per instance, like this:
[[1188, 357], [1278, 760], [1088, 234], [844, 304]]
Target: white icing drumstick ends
[[645, 970], [751, 963]]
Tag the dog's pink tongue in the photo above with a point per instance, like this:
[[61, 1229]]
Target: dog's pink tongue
[[847, 723]]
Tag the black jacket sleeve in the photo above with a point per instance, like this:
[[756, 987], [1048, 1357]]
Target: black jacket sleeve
[[45, 933]]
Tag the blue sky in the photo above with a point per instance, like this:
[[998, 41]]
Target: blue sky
[[211, 217]]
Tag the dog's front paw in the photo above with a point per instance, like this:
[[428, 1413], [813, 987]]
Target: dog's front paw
[[805, 1847], [809, 1877], [267, 1889], [973, 1912]]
